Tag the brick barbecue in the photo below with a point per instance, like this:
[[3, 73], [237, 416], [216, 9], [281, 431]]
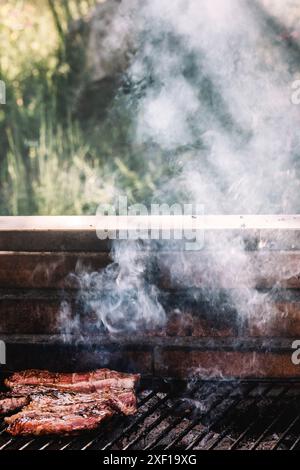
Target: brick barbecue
[[253, 359], [38, 254]]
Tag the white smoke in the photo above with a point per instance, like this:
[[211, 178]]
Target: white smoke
[[219, 78], [215, 95], [218, 82], [120, 298]]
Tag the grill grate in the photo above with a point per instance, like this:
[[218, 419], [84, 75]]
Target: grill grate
[[205, 415]]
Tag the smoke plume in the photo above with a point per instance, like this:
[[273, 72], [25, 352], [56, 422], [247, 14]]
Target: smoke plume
[[210, 87]]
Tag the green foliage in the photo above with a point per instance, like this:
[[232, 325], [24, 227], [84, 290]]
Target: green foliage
[[49, 162]]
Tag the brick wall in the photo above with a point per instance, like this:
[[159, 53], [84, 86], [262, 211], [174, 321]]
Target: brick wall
[[35, 269]]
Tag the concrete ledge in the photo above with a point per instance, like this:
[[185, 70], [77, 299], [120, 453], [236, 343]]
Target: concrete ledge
[[75, 233]]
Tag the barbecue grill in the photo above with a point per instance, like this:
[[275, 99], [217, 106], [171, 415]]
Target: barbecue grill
[[246, 395], [227, 415]]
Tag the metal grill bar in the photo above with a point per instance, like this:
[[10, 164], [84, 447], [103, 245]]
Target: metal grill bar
[[156, 422], [227, 430], [46, 445], [285, 433], [136, 422], [168, 429], [204, 433], [296, 443], [6, 444], [26, 444], [196, 420], [272, 424], [252, 423]]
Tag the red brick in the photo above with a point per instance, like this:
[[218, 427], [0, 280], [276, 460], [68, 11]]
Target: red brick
[[184, 363], [47, 270], [280, 319]]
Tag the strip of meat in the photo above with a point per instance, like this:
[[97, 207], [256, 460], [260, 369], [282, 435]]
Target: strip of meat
[[9, 402], [25, 390], [34, 411], [79, 382], [60, 415], [42, 424], [123, 401]]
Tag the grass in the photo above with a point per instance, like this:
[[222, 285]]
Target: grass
[[49, 163], [63, 181]]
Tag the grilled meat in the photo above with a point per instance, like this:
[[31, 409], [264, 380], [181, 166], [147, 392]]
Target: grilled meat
[[123, 401], [54, 403], [11, 402], [40, 422], [77, 382]]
